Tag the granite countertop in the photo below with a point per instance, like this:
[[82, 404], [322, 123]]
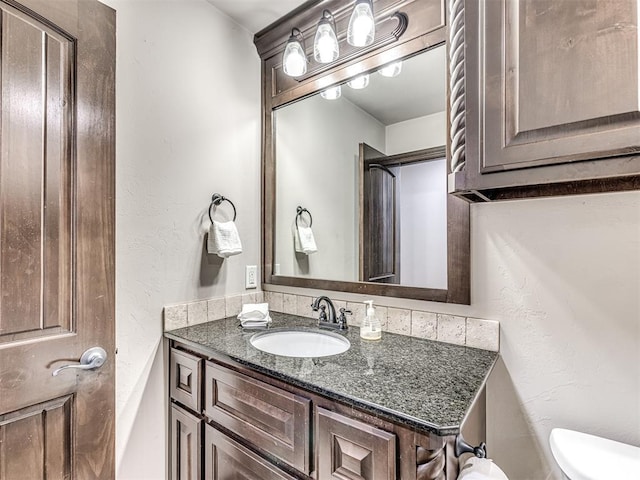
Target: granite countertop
[[424, 384]]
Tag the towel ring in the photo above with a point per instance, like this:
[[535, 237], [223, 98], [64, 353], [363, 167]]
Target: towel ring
[[216, 200], [299, 212]]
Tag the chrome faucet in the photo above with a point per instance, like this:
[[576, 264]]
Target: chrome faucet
[[315, 306], [329, 321]]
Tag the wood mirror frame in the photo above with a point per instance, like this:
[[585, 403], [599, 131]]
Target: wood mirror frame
[[427, 27]]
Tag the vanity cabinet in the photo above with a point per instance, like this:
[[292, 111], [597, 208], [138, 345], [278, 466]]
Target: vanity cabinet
[[552, 102], [276, 421], [227, 459], [251, 426], [350, 449], [186, 439]]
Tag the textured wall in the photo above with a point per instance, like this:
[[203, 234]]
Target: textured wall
[[563, 278], [188, 125]]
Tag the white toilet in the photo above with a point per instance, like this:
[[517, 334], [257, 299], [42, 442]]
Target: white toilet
[[586, 457]]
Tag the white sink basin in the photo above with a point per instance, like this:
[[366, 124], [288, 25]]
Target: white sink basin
[[300, 343]]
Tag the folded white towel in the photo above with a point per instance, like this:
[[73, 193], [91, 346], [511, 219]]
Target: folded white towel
[[254, 315], [224, 239], [304, 240], [481, 469]]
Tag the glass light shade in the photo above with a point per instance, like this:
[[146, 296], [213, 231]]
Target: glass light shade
[[294, 60], [362, 26], [325, 44], [359, 82], [332, 93], [391, 70]]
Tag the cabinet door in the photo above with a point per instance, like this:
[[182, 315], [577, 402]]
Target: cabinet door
[[351, 450], [271, 419], [185, 374], [551, 86], [185, 445], [226, 459]]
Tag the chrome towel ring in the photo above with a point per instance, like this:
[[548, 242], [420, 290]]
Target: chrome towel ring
[[300, 211], [216, 200]]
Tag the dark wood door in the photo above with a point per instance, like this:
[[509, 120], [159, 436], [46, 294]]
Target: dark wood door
[[380, 243], [57, 161]]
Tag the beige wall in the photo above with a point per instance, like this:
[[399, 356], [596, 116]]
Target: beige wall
[[563, 278], [188, 125], [417, 133], [561, 275]]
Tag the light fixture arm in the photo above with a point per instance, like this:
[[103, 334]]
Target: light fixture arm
[[296, 35], [328, 17]]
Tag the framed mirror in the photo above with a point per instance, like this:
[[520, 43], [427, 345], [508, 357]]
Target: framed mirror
[[355, 171]]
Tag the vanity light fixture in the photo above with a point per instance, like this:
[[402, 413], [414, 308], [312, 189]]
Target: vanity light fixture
[[294, 60], [359, 82], [325, 44], [362, 25], [331, 93], [391, 70]]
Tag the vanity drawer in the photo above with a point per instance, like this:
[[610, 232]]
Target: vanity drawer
[[349, 449], [185, 379], [275, 421], [225, 459]]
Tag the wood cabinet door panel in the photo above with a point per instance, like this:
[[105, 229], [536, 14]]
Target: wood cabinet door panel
[[272, 419], [186, 379], [348, 449], [186, 445], [569, 76], [226, 459], [57, 238], [551, 87]]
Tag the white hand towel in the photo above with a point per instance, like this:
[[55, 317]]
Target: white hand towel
[[254, 315], [224, 239], [304, 241], [481, 469]]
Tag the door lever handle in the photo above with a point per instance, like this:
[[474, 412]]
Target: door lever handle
[[90, 359]]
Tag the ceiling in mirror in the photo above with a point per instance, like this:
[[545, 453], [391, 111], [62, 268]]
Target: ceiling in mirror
[[406, 96], [369, 166]]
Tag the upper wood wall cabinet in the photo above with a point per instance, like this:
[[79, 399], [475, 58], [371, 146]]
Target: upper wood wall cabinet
[[552, 98]]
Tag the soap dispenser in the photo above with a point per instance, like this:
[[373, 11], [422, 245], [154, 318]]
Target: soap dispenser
[[371, 328]]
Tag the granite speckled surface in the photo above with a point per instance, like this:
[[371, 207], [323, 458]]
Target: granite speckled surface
[[421, 383]]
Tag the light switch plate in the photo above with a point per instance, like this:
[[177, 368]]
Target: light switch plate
[[251, 276]]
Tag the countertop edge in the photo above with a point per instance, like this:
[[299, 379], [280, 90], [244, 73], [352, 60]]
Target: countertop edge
[[374, 409]]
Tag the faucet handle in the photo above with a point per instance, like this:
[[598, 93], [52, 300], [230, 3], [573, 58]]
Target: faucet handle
[[342, 319]]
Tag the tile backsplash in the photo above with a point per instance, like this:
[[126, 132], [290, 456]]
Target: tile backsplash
[[472, 332]]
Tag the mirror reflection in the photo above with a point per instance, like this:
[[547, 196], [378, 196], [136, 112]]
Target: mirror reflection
[[364, 165]]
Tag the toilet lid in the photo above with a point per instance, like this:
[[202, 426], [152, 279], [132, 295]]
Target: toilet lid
[[586, 457]]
